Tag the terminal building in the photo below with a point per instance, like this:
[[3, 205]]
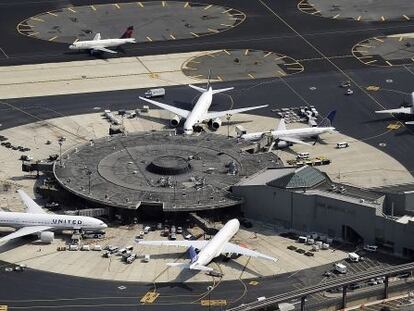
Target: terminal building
[[306, 200]]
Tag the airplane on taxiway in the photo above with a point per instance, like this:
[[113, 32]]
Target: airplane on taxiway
[[200, 113], [98, 45]]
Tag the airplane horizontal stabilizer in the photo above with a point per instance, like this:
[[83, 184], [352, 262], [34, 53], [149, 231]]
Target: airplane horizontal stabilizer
[[222, 90], [197, 88]]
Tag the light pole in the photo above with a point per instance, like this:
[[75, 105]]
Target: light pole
[[60, 142], [89, 173], [209, 288]]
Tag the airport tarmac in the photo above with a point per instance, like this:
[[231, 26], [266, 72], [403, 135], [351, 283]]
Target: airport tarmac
[[78, 129], [262, 30]]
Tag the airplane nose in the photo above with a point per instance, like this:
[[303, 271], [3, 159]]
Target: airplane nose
[[71, 46]]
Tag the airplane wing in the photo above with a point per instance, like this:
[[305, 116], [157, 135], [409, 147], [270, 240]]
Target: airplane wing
[[183, 243], [402, 110], [23, 232], [102, 49], [293, 140], [197, 88], [31, 206], [178, 111], [219, 114], [236, 249]]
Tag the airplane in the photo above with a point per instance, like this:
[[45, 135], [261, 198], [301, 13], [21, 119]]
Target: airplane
[[36, 221], [286, 137], [402, 110], [208, 250], [200, 112], [100, 45]]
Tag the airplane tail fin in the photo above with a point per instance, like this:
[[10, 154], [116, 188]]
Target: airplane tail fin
[[97, 37], [192, 254], [208, 79], [128, 32], [31, 206], [328, 120], [281, 126]]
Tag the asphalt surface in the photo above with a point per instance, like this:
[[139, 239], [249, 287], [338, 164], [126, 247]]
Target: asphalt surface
[[355, 114], [37, 290], [322, 45], [269, 26]]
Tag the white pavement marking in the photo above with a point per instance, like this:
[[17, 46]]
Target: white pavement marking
[[4, 53]]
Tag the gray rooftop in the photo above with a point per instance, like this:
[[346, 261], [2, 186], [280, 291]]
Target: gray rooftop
[[303, 177], [178, 173]]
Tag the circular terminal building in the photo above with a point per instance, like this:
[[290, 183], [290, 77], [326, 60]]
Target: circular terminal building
[[160, 171]]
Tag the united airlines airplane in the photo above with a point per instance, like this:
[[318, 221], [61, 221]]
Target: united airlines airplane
[[286, 137], [36, 221], [200, 113], [101, 45], [218, 245]]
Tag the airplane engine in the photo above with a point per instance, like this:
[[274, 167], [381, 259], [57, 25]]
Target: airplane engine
[[214, 123], [46, 237], [282, 144], [175, 121]]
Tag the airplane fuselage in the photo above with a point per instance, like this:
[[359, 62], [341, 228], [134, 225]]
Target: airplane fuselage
[[200, 108], [105, 43], [56, 222], [215, 247], [297, 133]]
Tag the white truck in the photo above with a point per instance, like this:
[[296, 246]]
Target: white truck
[[353, 257], [341, 268], [151, 93]]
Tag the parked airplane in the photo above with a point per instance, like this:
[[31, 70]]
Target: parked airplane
[[284, 137], [402, 110], [36, 221], [200, 112], [208, 250], [100, 45]]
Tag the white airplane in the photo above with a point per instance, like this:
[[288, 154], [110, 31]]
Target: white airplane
[[100, 45], [402, 110], [36, 221], [284, 137], [218, 245], [200, 113]]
